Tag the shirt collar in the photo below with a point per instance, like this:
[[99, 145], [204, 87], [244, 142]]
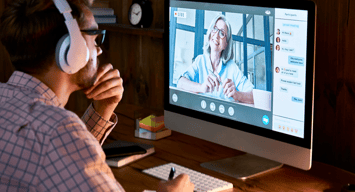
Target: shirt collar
[[29, 82], [209, 64]]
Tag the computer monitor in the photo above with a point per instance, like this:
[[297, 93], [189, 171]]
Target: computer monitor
[[241, 74]]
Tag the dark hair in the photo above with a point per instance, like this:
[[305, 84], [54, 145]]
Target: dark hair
[[30, 30]]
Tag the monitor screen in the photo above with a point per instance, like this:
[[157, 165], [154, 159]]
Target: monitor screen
[[242, 65]]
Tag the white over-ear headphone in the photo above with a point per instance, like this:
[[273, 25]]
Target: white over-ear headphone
[[72, 54]]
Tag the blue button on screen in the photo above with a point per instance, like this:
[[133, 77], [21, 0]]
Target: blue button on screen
[[266, 120]]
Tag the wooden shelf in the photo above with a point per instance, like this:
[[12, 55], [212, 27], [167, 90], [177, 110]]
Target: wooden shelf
[[128, 29]]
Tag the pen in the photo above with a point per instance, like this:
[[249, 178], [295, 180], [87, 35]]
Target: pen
[[172, 172]]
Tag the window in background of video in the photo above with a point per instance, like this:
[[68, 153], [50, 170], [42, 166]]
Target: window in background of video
[[188, 47], [256, 54]]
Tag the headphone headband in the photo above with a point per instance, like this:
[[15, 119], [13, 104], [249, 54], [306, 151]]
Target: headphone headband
[[72, 54]]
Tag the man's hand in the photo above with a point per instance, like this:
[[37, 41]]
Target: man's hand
[[107, 91], [181, 183]]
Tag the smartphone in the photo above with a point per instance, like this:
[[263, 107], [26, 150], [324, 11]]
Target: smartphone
[[124, 151]]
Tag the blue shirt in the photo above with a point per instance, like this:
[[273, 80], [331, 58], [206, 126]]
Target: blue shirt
[[202, 67]]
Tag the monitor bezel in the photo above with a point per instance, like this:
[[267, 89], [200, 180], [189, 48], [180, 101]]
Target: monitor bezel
[[305, 142]]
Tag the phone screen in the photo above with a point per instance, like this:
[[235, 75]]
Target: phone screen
[[124, 151]]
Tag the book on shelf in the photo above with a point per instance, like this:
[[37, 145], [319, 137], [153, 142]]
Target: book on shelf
[[121, 161], [101, 3], [105, 18], [100, 11]]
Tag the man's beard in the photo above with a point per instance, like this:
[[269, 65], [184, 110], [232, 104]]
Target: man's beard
[[85, 77]]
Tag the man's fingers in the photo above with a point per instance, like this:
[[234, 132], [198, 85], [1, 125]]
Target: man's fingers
[[185, 180], [102, 70], [115, 91], [106, 85], [113, 73]]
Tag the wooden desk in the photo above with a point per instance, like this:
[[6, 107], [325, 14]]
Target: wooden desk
[[190, 152]]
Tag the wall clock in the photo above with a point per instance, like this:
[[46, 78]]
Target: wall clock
[[140, 13]]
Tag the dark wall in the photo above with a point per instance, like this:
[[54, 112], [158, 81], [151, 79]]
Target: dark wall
[[140, 61], [334, 117]]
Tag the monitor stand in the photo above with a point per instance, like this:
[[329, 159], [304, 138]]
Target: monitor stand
[[242, 166]]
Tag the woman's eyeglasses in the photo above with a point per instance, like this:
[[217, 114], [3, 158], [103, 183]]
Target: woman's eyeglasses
[[221, 33], [100, 35]]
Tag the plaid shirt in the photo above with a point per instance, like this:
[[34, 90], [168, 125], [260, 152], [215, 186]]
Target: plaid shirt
[[44, 147]]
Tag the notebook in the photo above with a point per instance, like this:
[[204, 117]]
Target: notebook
[[121, 161]]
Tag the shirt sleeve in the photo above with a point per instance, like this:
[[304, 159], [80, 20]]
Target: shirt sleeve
[[75, 161], [242, 83], [99, 127], [192, 72]]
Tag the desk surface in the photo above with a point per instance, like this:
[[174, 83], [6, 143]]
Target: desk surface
[[190, 152]]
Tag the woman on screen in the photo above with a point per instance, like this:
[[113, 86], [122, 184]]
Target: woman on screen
[[215, 71]]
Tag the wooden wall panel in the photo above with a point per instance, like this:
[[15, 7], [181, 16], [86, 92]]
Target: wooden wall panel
[[5, 64], [6, 68], [140, 62], [344, 129], [325, 80]]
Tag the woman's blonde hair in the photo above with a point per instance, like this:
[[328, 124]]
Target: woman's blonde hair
[[227, 53]]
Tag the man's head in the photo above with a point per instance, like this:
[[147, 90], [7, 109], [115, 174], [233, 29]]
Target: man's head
[[86, 77], [30, 30]]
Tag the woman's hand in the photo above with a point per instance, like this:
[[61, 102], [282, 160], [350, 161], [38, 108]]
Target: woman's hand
[[210, 83], [229, 89]]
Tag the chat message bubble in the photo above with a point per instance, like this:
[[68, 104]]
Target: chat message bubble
[[284, 89], [287, 33], [297, 99], [293, 60], [290, 82], [284, 41], [288, 49], [290, 25], [289, 72]]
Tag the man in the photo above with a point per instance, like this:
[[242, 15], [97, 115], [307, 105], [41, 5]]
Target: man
[[44, 147]]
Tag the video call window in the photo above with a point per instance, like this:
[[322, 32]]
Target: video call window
[[190, 27]]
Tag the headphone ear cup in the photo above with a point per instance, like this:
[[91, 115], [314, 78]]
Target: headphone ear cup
[[61, 53]]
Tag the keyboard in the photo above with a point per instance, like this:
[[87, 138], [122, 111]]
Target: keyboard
[[202, 182]]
